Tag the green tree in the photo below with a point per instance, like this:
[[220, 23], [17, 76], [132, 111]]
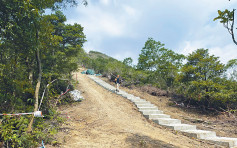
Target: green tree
[[202, 66], [65, 45], [25, 40], [128, 61], [150, 54], [201, 77], [162, 64]]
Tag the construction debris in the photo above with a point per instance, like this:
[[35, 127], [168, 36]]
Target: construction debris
[[76, 95]]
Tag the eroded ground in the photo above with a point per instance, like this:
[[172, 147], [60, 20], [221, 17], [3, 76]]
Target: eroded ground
[[105, 119]]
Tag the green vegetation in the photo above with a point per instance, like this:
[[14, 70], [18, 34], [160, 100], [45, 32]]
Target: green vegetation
[[14, 130], [161, 64], [200, 78], [35, 49], [38, 49]]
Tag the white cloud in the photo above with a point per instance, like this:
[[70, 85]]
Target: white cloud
[[93, 45], [110, 21], [129, 10], [184, 24], [210, 35], [189, 47], [225, 53], [99, 22], [105, 2], [122, 56]]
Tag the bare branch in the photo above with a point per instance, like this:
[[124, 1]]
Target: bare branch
[[232, 28]]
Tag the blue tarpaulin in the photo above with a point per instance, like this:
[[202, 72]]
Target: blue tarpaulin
[[84, 72], [98, 74], [90, 72]]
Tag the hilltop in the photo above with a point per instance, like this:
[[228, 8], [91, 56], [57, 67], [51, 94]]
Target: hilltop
[[96, 54]]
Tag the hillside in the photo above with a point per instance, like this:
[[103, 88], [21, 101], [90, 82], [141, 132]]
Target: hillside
[[105, 119], [96, 54]]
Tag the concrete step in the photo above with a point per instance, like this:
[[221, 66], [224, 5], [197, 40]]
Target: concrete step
[[119, 93], [125, 95], [147, 108], [145, 105], [140, 103], [130, 96], [110, 89], [151, 111], [123, 92], [133, 97], [180, 127], [136, 99], [148, 112], [157, 116], [140, 100], [166, 121], [200, 134], [224, 141]]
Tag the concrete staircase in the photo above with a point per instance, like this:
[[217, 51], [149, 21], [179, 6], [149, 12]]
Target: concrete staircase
[[150, 111]]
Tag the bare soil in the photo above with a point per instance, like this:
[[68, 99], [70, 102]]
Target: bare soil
[[105, 119], [223, 123]]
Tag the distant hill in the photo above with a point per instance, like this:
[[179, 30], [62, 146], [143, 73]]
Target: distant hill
[[96, 54]]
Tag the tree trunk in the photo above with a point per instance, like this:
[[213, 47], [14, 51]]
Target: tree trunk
[[36, 89]]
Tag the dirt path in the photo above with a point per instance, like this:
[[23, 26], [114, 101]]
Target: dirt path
[[105, 119]]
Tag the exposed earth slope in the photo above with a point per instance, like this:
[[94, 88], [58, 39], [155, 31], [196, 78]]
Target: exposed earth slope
[[105, 119]]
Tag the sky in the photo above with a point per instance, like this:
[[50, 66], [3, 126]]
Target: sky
[[120, 28]]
